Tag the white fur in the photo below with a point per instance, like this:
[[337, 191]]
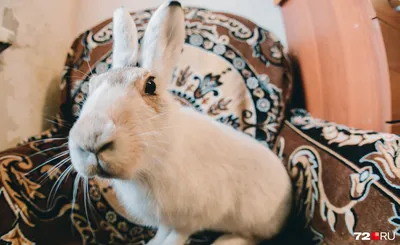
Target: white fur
[[125, 49], [172, 167], [215, 177], [161, 48]]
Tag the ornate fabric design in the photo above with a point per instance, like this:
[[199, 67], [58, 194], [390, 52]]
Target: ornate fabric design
[[16, 237], [369, 161], [305, 167], [335, 133], [395, 219], [386, 159], [377, 150]]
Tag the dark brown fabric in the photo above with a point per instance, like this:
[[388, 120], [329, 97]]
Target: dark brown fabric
[[340, 186]]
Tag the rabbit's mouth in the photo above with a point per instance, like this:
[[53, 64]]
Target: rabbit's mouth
[[103, 173]]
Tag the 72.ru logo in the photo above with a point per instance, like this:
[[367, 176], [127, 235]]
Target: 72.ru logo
[[375, 236]]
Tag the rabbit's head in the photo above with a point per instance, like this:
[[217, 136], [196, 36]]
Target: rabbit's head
[[124, 121]]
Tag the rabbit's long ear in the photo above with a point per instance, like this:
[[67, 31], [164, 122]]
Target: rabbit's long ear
[[126, 46], [163, 40]]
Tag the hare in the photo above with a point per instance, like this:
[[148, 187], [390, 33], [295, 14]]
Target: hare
[[172, 167]]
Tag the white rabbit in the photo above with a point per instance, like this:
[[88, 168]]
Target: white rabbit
[[172, 167]]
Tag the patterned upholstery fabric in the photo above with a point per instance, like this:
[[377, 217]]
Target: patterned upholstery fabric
[[231, 69], [346, 180]]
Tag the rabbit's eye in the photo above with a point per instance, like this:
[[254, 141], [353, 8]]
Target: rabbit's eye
[[150, 86]]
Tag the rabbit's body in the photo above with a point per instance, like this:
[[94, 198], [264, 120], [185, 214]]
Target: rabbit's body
[[216, 178], [173, 167]]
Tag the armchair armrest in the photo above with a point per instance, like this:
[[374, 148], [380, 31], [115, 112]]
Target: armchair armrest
[[346, 180], [29, 215], [41, 202]]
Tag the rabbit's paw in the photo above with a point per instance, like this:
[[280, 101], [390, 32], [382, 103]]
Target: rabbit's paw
[[175, 238], [161, 235]]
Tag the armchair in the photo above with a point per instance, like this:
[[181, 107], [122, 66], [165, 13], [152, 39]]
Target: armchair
[[346, 180]]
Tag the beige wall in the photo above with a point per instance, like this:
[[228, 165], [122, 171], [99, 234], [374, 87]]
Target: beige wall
[[30, 70]]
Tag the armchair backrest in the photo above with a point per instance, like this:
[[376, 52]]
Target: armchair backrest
[[230, 68]]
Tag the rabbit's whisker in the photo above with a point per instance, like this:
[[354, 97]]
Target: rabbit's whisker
[[90, 68], [156, 147], [54, 122], [75, 194], [52, 170], [58, 165], [154, 131], [75, 77], [57, 118], [57, 185], [48, 161], [84, 74], [49, 149], [91, 206], [43, 140], [156, 116], [85, 201]]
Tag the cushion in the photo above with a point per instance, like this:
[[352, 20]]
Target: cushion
[[230, 69]]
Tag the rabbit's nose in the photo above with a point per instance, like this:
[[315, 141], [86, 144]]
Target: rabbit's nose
[[104, 134], [91, 159], [102, 169]]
